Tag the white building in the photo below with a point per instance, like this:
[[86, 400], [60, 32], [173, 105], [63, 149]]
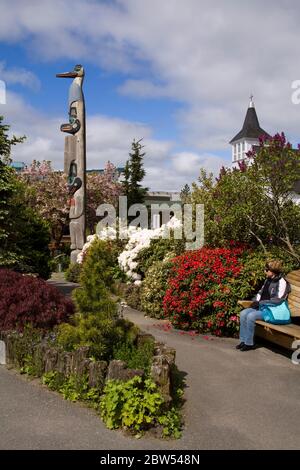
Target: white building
[[161, 201], [247, 137]]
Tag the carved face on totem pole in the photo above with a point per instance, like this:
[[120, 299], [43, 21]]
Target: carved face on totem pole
[[75, 158]]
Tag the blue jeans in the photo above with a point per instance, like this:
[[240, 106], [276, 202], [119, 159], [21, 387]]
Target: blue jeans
[[248, 316]]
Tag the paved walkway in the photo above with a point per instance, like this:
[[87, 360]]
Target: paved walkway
[[235, 400]]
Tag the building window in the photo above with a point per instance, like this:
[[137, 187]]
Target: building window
[[243, 150]]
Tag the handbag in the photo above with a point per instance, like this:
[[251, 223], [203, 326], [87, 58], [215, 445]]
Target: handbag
[[279, 314]]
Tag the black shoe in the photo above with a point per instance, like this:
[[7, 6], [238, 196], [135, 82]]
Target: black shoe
[[239, 346], [247, 347]]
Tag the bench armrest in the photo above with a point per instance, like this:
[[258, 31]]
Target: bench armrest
[[245, 303]]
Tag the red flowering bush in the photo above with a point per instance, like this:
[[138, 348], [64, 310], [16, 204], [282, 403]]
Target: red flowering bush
[[205, 285], [29, 300], [199, 293]]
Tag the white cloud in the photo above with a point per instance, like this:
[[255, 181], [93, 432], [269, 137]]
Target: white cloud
[[189, 163], [157, 150], [143, 89], [107, 139], [209, 55], [182, 169], [19, 75]]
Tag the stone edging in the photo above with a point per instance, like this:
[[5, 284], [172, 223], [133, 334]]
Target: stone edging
[[79, 363]]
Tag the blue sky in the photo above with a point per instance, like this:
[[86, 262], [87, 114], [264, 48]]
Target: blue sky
[[177, 73], [100, 88]]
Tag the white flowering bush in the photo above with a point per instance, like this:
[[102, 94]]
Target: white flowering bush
[[107, 233], [138, 239], [85, 248]]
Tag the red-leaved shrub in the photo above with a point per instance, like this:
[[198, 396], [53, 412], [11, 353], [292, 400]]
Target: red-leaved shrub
[[29, 300], [200, 290]]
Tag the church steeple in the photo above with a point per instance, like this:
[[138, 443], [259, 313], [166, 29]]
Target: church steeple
[[248, 135]]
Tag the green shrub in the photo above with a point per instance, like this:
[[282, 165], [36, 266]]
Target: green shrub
[[116, 247], [96, 332], [73, 387], [131, 293], [26, 249], [68, 335], [96, 324], [95, 279], [154, 287], [73, 272], [171, 421], [53, 379], [133, 405], [135, 357], [25, 352], [158, 250]]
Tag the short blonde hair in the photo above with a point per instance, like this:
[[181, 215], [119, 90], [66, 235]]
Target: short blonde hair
[[274, 265]]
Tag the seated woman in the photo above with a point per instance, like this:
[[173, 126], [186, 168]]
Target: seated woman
[[274, 290]]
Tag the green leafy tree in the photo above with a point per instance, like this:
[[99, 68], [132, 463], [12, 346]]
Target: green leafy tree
[[254, 203], [276, 169], [134, 174], [8, 187], [239, 209], [203, 193]]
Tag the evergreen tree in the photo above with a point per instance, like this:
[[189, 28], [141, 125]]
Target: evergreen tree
[[185, 194], [6, 143], [126, 182], [8, 180], [134, 174], [96, 324], [24, 236]]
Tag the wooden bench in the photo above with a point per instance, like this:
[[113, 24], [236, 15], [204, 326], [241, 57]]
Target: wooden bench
[[284, 335]]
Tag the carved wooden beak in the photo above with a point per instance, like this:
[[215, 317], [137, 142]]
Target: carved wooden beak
[[67, 75]]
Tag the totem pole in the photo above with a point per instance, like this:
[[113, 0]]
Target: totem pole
[[75, 159]]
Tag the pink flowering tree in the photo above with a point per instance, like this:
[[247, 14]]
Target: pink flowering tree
[[101, 188], [47, 191]]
